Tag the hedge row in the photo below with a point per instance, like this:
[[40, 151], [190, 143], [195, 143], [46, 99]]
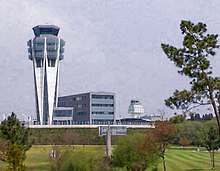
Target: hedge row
[[73, 136]]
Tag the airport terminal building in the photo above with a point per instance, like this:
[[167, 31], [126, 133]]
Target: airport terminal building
[[90, 108], [46, 50]]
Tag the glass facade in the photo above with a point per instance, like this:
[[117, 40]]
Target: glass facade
[[52, 45], [63, 113], [102, 108], [46, 29], [63, 116], [91, 108]]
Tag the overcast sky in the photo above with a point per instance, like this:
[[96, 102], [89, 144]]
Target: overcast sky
[[111, 45]]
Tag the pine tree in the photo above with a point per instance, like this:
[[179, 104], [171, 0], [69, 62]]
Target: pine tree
[[193, 61], [16, 138]]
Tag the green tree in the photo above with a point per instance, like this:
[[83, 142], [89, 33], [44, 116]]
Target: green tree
[[194, 132], [81, 159], [212, 144], [164, 134], [3, 150], [193, 61], [15, 137], [178, 119], [135, 152], [184, 141]]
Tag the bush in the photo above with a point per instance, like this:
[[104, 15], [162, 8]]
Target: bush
[[131, 153], [78, 160]]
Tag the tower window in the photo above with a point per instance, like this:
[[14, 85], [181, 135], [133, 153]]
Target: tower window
[[39, 63], [51, 62]]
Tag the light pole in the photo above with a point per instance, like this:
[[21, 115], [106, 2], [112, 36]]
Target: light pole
[[108, 142]]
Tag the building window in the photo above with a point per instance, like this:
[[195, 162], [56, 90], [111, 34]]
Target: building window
[[78, 98], [36, 51], [111, 97], [81, 113], [103, 105], [39, 63], [100, 113], [38, 44], [102, 97], [79, 106], [50, 44], [51, 62]]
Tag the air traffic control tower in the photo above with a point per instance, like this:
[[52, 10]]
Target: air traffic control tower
[[46, 50]]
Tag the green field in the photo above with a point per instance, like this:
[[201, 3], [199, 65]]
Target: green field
[[189, 160], [178, 159]]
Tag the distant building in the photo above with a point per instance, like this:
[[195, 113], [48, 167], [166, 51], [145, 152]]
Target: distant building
[[46, 50], [135, 121], [135, 109], [90, 108], [152, 117]]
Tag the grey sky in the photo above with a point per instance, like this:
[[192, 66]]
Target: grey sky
[[111, 46]]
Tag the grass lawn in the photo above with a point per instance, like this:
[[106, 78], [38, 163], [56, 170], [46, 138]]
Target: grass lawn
[[37, 158], [178, 159]]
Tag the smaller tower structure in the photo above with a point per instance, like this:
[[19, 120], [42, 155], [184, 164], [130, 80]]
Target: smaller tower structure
[[135, 109]]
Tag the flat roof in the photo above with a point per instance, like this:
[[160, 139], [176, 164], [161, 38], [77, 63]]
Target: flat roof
[[96, 93]]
